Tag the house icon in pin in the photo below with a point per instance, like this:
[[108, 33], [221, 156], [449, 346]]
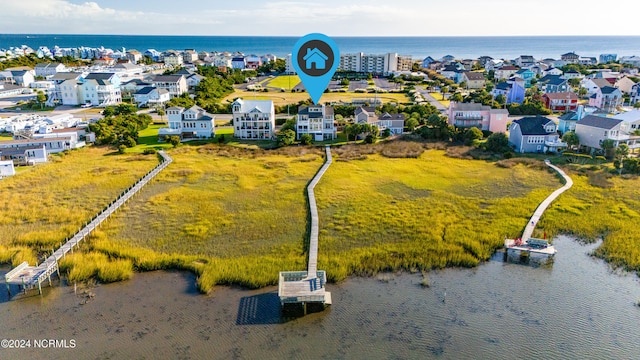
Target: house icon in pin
[[315, 59]]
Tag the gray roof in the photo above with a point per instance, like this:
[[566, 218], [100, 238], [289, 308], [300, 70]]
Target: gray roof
[[66, 76], [99, 76], [145, 90], [533, 125], [387, 116], [599, 122], [167, 78], [552, 80], [608, 89], [474, 75], [304, 110], [470, 107]]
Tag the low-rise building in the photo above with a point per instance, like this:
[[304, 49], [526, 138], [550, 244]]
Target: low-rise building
[[317, 121], [253, 119], [561, 101], [175, 84], [592, 130], [46, 70], [150, 96], [466, 115], [535, 134], [393, 122], [192, 123]]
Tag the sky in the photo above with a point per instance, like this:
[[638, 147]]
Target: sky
[[331, 17]]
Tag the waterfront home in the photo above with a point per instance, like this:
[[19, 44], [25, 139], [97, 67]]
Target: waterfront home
[[535, 134], [512, 90], [150, 96], [607, 98], [453, 72], [525, 61], [238, 62], [252, 62], [173, 59], [175, 84], [631, 60], [552, 71], [593, 130], [317, 121], [605, 58], [6, 168], [191, 123], [587, 60], [570, 57], [253, 119], [46, 70], [154, 54], [426, 62], [189, 55], [553, 84], [474, 79], [561, 101], [101, 89], [134, 56], [527, 75], [505, 72], [631, 120], [466, 115], [393, 122]]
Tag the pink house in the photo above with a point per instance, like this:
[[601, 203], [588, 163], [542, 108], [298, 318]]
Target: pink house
[[466, 115]]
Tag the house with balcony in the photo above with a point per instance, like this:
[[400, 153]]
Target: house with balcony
[[191, 123], [527, 75], [466, 115], [253, 119], [393, 122], [635, 93], [175, 84], [535, 134], [607, 98], [525, 61], [553, 84], [570, 58], [567, 121], [593, 130], [317, 121], [150, 96], [100, 89], [513, 91], [561, 101], [631, 120], [593, 85], [47, 70], [474, 79], [505, 72]]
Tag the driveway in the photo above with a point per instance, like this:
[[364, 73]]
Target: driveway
[[431, 99]]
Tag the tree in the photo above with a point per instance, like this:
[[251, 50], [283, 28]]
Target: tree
[[571, 138], [306, 139], [386, 133], [607, 146], [622, 151], [286, 137], [173, 140], [41, 98], [161, 112], [498, 143], [472, 134], [412, 123]]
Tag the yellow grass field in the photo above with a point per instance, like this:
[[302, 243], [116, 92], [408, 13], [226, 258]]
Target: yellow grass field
[[284, 98]]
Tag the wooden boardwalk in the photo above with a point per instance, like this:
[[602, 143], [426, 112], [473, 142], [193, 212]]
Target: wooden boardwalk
[[528, 230], [302, 287], [31, 276]]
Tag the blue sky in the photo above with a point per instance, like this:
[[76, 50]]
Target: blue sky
[[332, 17]]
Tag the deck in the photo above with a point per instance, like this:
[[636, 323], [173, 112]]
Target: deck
[[29, 277], [303, 287]]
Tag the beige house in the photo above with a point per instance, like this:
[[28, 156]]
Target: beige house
[[474, 79]]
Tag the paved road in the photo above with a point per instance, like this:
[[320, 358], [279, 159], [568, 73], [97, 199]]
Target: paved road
[[431, 99]]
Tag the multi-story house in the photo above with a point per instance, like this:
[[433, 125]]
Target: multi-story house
[[525, 61], [252, 61], [317, 121], [527, 75], [253, 119], [567, 121], [553, 84], [635, 93], [151, 96], [631, 120], [173, 59], [46, 70], [474, 79], [238, 62], [593, 130], [504, 72], [175, 84], [535, 134], [513, 91], [570, 57], [189, 56], [194, 123], [134, 56], [605, 58], [607, 98], [561, 101], [466, 115], [393, 122]]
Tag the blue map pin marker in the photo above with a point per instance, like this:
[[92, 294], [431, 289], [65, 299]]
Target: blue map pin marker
[[315, 58]]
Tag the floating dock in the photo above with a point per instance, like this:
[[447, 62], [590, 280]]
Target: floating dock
[[300, 288]]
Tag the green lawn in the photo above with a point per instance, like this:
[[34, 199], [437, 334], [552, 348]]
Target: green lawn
[[286, 82], [6, 136], [440, 98]]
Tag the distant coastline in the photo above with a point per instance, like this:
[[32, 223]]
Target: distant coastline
[[507, 47]]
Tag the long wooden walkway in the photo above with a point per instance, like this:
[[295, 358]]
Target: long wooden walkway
[[302, 287], [528, 230], [30, 276]]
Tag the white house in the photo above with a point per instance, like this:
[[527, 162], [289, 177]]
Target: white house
[[46, 70], [6, 168], [70, 92], [24, 154], [175, 84], [151, 96], [127, 69], [194, 80], [99, 92], [23, 77], [253, 119], [393, 122], [317, 121], [631, 120], [173, 59], [194, 123]]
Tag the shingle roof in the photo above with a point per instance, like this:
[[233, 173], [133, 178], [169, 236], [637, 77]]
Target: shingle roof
[[101, 76], [470, 107], [167, 78], [66, 76], [599, 122], [552, 80], [387, 116], [145, 90], [608, 90], [562, 95], [474, 75], [533, 125]]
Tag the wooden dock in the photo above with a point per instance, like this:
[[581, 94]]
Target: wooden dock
[[29, 277], [302, 287], [528, 245]]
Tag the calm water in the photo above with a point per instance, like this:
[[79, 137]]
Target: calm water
[[576, 309], [508, 47]]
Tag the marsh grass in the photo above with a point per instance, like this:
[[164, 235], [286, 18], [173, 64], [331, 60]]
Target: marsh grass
[[81, 267]]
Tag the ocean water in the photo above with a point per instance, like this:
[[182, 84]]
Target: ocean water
[[507, 47]]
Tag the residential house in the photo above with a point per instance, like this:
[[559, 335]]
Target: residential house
[[447, 59], [150, 96], [631, 120], [635, 93], [22, 78], [238, 62], [553, 83], [426, 62], [317, 121], [525, 61], [134, 56], [607, 98], [9, 90], [52, 145], [393, 122], [191, 123], [101, 89], [572, 74], [70, 92], [189, 56], [561, 101], [252, 62], [484, 60], [512, 90], [24, 154], [552, 71], [127, 69], [631, 60], [494, 64], [154, 54], [593, 130], [505, 72], [194, 80], [605, 58], [466, 115], [527, 75], [46, 70], [453, 72], [588, 61], [175, 84], [567, 121], [594, 85], [253, 119], [6, 168], [570, 58], [624, 84], [173, 59], [535, 134], [474, 79]]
